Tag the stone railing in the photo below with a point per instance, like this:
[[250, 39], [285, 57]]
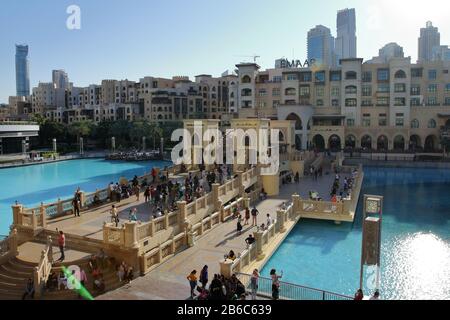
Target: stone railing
[[43, 269], [255, 252], [8, 247]]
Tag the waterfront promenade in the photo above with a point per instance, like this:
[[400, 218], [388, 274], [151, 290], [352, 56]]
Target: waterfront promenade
[[168, 281]]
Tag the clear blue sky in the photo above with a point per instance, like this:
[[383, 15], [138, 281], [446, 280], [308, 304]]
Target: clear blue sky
[[131, 39]]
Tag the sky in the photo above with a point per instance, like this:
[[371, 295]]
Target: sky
[[130, 39]]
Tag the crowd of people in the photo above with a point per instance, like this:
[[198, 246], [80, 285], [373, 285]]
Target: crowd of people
[[359, 295], [135, 156]]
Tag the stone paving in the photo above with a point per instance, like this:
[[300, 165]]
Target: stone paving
[[168, 281]]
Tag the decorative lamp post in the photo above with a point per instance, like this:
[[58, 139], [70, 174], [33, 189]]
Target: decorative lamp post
[[162, 146], [371, 236], [24, 147], [143, 144], [113, 144], [54, 146], [81, 146]]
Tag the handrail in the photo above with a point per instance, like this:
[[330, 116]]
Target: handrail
[[291, 291], [44, 268]]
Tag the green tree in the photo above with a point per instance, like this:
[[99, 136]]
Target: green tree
[[49, 130], [121, 131], [80, 129]]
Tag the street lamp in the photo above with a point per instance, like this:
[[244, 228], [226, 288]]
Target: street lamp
[[371, 236], [113, 144], [54, 146], [143, 144], [81, 146]]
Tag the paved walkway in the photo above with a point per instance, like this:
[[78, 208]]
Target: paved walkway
[[168, 281]]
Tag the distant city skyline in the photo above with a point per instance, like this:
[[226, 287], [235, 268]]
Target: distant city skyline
[[198, 37]]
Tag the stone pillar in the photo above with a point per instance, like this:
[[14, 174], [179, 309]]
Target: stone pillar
[[246, 202], [50, 249], [82, 199], [13, 243], [43, 216], [240, 183], [295, 204], [33, 220], [59, 207], [105, 232], [215, 193], [259, 244], [17, 214], [226, 268], [131, 234], [191, 238], [183, 214], [280, 220]]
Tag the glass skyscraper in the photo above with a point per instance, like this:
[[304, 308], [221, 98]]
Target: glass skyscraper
[[346, 34], [22, 71], [321, 45]]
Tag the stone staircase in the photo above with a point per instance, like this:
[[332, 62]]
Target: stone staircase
[[15, 273]]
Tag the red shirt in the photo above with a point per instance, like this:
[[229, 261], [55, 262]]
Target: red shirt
[[62, 240]]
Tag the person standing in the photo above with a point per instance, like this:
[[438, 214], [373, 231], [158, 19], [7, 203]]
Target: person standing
[[147, 194], [275, 284], [254, 283], [255, 213], [76, 206], [359, 295], [204, 276], [114, 215], [136, 190], [192, 278], [376, 296], [61, 244], [247, 216]]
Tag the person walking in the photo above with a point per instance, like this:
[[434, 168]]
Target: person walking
[[254, 283], [192, 278], [147, 194], [136, 190], [204, 276], [255, 213], [61, 244], [114, 215], [247, 216]]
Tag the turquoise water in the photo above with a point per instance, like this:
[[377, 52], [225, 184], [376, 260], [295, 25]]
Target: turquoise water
[[415, 261], [47, 182]]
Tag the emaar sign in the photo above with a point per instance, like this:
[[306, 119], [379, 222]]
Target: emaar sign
[[285, 63]]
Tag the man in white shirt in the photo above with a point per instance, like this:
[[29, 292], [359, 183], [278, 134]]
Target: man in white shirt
[[269, 220], [376, 296]]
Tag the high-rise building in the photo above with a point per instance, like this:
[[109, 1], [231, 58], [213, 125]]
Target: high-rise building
[[441, 53], [22, 71], [346, 34], [321, 45], [429, 38], [60, 79]]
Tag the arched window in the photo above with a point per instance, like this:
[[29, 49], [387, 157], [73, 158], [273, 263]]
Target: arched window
[[232, 95], [246, 79], [400, 74], [415, 124], [350, 89], [432, 124], [350, 75]]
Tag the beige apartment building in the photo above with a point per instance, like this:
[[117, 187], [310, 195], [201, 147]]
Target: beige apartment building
[[387, 106]]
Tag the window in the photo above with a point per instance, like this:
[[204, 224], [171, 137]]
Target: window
[[277, 79], [335, 103], [335, 76], [415, 102], [350, 75], [399, 121], [275, 103], [383, 88], [447, 101], [305, 76], [320, 91], [432, 88], [383, 75], [400, 87], [432, 74], [416, 72], [367, 91], [447, 87], [366, 102], [400, 102], [304, 91], [415, 90], [367, 76], [415, 124], [382, 101], [350, 122], [319, 103], [262, 92], [366, 120], [291, 77], [246, 79], [432, 101], [432, 124], [350, 89], [350, 102], [400, 74], [320, 76], [382, 120], [335, 91], [276, 92]]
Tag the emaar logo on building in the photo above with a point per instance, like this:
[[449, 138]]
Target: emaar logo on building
[[73, 21]]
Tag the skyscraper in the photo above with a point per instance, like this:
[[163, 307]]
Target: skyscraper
[[346, 34], [321, 45], [429, 38], [60, 79], [22, 71]]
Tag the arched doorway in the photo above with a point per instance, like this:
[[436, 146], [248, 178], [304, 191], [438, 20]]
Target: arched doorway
[[298, 142], [430, 143], [399, 143], [298, 121], [334, 143], [350, 142], [366, 142], [382, 143], [414, 142], [318, 142]]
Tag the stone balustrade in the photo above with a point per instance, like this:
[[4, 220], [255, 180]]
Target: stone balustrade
[[8, 247], [43, 269]]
